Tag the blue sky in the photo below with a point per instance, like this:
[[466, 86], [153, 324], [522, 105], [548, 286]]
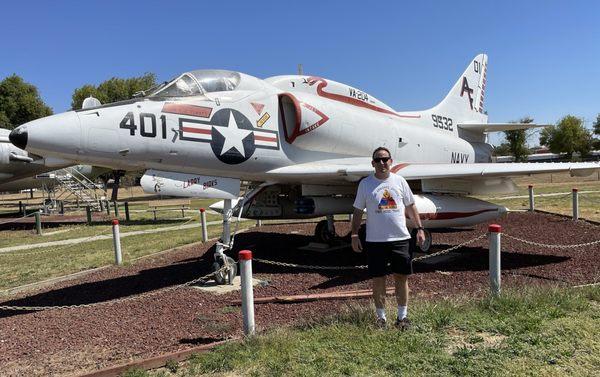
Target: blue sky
[[544, 56]]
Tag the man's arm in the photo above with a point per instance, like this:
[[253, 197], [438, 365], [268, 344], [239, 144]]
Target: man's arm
[[413, 214], [356, 220]]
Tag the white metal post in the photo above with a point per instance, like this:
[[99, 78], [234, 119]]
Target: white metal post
[[203, 223], [575, 204], [117, 242], [495, 231], [259, 222], [531, 200], [245, 257]]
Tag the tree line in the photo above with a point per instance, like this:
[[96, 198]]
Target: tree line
[[568, 136], [20, 103]]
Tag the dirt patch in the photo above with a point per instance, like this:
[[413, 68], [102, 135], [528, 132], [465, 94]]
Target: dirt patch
[[113, 332], [459, 339]]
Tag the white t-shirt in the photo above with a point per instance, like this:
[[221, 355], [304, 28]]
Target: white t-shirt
[[385, 201]]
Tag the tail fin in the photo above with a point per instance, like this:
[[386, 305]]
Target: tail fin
[[464, 102]]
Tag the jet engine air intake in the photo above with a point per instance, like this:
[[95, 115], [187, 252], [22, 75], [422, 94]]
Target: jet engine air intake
[[291, 116]]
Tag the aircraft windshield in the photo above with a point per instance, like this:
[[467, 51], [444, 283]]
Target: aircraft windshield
[[199, 82], [217, 80], [182, 86]]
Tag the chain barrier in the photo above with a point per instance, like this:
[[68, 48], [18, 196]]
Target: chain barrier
[[15, 220], [451, 248], [50, 249], [362, 267], [201, 279], [550, 246]]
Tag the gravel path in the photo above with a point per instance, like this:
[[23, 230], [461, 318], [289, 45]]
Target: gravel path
[[67, 342]]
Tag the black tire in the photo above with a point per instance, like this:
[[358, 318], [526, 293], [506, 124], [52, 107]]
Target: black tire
[[322, 233], [426, 245], [223, 276]]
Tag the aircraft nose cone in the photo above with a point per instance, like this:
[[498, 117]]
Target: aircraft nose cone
[[18, 137]]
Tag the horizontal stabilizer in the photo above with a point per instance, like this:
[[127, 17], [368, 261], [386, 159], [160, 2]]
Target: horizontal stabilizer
[[494, 127]]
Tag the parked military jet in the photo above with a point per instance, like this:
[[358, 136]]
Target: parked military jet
[[305, 141]]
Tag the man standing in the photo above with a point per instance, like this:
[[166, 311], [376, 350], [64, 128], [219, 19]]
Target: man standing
[[387, 198]]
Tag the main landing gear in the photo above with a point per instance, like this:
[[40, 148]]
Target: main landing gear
[[225, 275], [325, 231]]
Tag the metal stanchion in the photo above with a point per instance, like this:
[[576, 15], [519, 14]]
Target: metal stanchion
[[495, 231], [117, 242], [61, 205], [24, 209], [531, 200], [38, 223], [20, 206], [203, 222], [116, 204], [101, 205], [88, 214], [258, 222], [575, 204], [107, 207], [245, 258], [127, 218]]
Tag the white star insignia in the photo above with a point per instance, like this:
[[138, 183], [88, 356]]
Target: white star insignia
[[233, 135]]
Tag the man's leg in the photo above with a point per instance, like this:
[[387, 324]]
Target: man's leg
[[379, 298], [401, 283], [379, 295]]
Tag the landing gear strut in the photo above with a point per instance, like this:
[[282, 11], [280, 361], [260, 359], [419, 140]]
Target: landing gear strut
[[226, 275]]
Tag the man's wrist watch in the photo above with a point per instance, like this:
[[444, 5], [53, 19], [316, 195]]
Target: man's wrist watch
[[420, 228]]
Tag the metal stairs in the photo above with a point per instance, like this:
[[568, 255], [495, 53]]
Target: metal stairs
[[75, 184]]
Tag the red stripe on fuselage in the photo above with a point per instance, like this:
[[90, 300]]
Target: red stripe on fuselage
[[264, 138], [350, 100], [452, 215], [182, 109], [196, 130]]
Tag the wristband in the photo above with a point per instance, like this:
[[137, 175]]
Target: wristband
[[419, 228], [354, 235]]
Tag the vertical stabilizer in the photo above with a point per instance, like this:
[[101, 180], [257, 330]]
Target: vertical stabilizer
[[464, 102]]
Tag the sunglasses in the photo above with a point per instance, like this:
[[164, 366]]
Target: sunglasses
[[381, 159]]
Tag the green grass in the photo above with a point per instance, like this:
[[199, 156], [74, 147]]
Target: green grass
[[541, 332], [24, 267], [589, 204], [139, 221]]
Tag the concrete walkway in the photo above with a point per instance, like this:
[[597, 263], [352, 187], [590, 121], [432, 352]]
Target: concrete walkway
[[108, 236]]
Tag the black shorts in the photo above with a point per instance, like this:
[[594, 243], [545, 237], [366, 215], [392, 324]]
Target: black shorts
[[395, 253]]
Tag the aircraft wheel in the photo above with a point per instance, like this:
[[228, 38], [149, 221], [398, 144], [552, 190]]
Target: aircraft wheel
[[227, 275], [322, 233], [426, 244]]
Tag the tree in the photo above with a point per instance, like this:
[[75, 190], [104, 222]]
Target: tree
[[113, 90], [20, 103], [568, 136], [596, 144], [501, 150], [517, 142], [597, 125]]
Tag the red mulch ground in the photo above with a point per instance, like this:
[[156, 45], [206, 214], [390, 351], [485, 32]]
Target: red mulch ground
[[66, 342]]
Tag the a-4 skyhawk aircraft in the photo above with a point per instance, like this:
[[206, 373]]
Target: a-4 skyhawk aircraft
[[306, 141]]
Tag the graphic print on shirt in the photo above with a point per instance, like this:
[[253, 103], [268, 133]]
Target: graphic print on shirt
[[387, 203]]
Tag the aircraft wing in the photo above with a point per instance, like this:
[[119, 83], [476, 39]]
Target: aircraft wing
[[352, 169], [494, 127]]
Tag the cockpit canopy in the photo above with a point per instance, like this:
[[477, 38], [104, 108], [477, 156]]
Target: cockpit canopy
[[198, 83]]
